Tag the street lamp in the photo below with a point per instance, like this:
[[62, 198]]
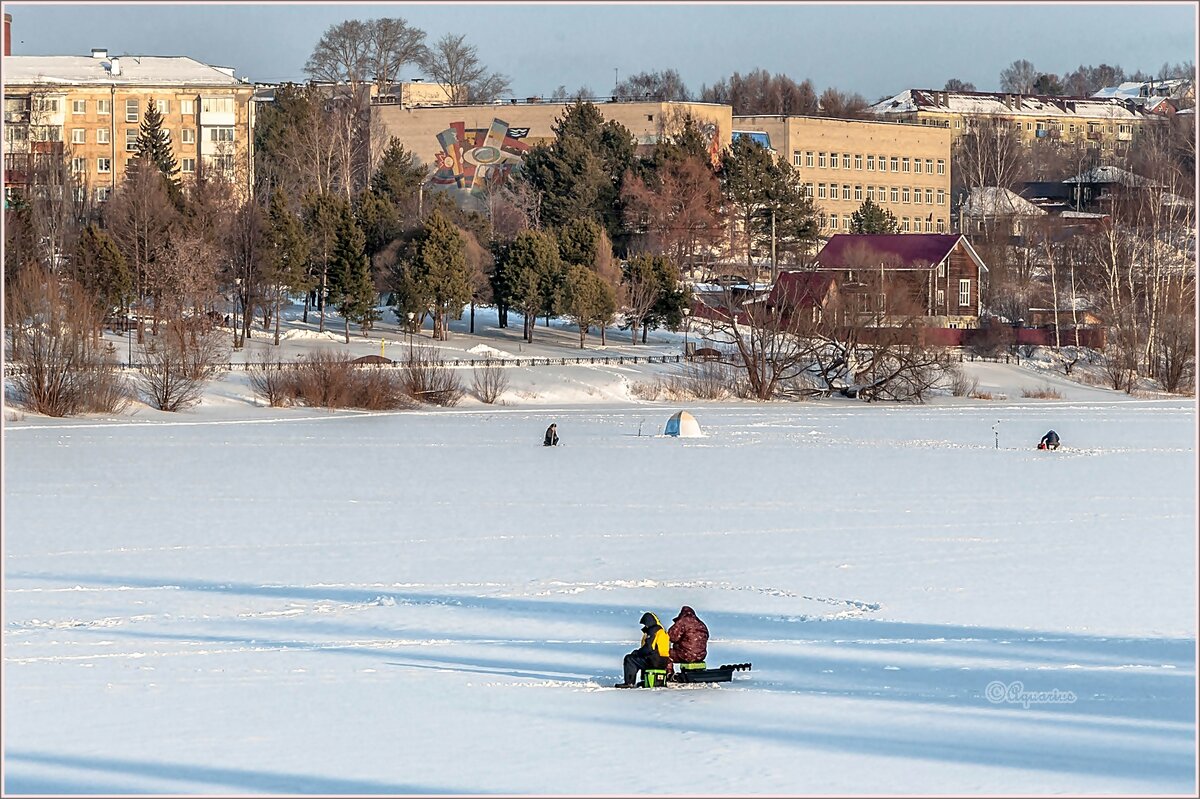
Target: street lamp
[[411, 317]]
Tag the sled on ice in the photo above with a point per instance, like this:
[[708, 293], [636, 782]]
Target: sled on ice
[[692, 673]]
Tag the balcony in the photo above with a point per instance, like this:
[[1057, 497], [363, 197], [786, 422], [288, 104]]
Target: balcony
[[16, 117], [1125, 136], [1093, 135]]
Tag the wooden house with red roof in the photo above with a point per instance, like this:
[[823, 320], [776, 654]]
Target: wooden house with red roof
[[942, 274]]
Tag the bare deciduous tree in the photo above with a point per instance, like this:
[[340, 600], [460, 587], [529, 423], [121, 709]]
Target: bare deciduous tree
[[455, 64], [174, 370], [1018, 77]]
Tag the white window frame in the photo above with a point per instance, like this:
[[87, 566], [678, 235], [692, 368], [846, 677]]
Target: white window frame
[[79, 106], [964, 292], [131, 140], [845, 160], [904, 165], [917, 165], [871, 193], [102, 193], [941, 299], [858, 161], [845, 191], [187, 165], [821, 160], [213, 137], [916, 196], [870, 163], [904, 195], [78, 135], [895, 163], [895, 194], [104, 165], [163, 106], [104, 107], [187, 108], [941, 196], [858, 192], [941, 166], [188, 136], [808, 158], [821, 191], [131, 116], [78, 165], [833, 160], [797, 158], [102, 136]]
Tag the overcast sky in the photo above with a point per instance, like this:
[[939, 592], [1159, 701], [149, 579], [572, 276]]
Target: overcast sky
[[874, 49]]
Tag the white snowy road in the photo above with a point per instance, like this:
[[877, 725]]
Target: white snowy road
[[434, 603]]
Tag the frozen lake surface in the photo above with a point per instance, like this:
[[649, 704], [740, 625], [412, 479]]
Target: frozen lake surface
[[432, 602]]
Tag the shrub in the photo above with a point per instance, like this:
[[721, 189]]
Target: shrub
[[649, 390], [426, 379], [63, 369], [960, 384], [271, 381], [175, 369], [331, 380], [489, 381], [1041, 393]]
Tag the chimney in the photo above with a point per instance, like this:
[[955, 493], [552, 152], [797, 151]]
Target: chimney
[[99, 52], [8, 34], [114, 67]]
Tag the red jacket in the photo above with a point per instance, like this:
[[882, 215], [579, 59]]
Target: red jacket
[[689, 637]]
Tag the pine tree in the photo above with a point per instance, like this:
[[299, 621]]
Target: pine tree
[[153, 146], [871, 218], [286, 264], [353, 290], [440, 271], [102, 270], [398, 177]]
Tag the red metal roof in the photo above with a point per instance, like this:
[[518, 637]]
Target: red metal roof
[[906, 250], [800, 289]]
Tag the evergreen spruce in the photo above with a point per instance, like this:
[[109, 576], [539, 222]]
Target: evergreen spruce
[[152, 146], [872, 219], [353, 290]]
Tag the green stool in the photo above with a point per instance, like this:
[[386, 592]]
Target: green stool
[[693, 666], [655, 677]]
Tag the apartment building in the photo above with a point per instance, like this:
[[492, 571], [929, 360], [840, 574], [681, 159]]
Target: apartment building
[[904, 168], [1104, 123], [469, 147], [88, 109]]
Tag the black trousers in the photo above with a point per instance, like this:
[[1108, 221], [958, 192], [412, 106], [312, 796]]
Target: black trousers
[[635, 663]]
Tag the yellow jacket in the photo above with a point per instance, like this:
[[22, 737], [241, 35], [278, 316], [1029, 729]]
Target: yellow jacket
[[660, 643]]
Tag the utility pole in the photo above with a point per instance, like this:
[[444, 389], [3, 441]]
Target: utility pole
[[773, 266]]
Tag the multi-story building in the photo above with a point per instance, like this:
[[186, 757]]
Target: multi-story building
[[1105, 123], [469, 147], [843, 162], [88, 110]]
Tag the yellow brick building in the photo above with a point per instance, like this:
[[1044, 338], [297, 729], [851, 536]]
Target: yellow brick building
[[843, 162], [88, 110], [470, 147], [1103, 123]]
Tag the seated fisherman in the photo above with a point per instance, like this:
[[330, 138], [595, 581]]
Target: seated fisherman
[[652, 654], [689, 638]]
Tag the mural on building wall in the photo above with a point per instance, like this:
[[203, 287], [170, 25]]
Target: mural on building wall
[[711, 132], [472, 160]]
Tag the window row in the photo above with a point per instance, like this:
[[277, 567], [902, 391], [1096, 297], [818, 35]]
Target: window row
[[810, 159], [187, 135], [877, 194], [104, 165], [134, 106], [907, 225]]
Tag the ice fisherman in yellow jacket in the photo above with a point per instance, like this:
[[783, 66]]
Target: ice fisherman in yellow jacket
[[652, 654]]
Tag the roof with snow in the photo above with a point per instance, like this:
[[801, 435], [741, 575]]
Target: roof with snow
[[895, 250], [1111, 174], [994, 103], [998, 201], [72, 70], [1175, 87], [801, 289]]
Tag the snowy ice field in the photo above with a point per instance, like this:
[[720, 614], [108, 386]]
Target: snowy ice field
[[241, 600]]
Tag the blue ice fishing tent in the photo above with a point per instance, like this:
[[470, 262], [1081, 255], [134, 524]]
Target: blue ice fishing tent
[[682, 425]]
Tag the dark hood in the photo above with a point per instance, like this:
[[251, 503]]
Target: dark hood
[[685, 612], [649, 620]]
